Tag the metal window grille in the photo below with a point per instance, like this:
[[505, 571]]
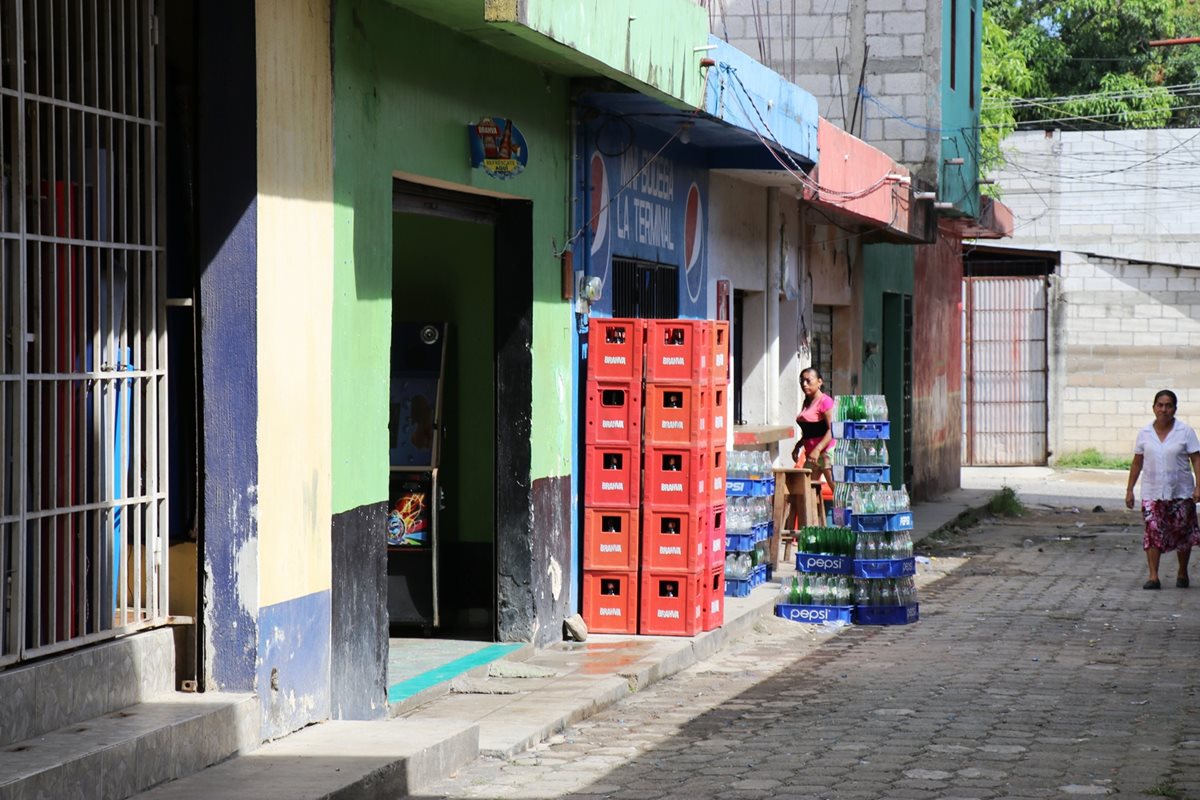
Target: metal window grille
[[83, 447], [645, 290]]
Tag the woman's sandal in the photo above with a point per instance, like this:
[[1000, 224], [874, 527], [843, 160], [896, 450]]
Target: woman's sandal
[[1152, 585], [1181, 583]]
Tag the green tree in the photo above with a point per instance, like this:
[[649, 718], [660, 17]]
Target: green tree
[[1089, 65]]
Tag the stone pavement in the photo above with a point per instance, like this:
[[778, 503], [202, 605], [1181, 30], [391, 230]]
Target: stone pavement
[[504, 714], [1039, 668]]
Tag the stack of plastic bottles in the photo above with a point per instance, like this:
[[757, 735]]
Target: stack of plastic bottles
[[750, 486], [870, 552]]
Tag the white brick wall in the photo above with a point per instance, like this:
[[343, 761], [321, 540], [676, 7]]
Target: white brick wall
[[1124, 331]]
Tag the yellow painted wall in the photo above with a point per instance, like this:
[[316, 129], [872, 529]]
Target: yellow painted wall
[[295, 287]]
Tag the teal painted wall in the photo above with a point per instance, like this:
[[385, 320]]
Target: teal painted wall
[[404, 91], [447, 266], [887, 277], [960, 121]]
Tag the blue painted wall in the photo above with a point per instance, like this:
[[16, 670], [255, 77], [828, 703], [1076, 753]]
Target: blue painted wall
[[226, 214]]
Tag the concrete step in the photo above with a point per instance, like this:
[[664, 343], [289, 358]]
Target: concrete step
[[123, 752], [378, 759]]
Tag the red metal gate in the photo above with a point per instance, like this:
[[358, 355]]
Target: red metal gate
[[1004, 371]]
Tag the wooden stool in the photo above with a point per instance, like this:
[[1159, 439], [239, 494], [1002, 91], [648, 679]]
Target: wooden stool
[[798, 504]]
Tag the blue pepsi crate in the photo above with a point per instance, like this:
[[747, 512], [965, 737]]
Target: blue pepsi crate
[[832, 565], [759, 575], [737, 588], [815, 614], [862, 430], [739, 542], [885, 567], [747, 487], [761, 532], [843, 473], [887, 615], [882, 523]]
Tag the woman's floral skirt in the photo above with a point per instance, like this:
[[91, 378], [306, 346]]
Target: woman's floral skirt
[[1170, 525]]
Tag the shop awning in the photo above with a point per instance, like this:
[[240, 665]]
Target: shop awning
[[652, 57]]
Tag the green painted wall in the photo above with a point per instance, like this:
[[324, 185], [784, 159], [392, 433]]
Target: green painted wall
[[448, 265], [404, 91], [958, 184], [652, 42], [887, 277]]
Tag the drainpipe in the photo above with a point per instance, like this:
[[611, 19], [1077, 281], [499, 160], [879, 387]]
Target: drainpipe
[[771, 302]]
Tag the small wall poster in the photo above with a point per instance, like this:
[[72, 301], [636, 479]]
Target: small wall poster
[[498, 147]]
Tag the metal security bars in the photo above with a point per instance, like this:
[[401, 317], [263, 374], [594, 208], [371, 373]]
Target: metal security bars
[[83, 447], [643, 289]]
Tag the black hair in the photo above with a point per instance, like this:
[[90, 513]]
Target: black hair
[[816, 374], [1167, 393]]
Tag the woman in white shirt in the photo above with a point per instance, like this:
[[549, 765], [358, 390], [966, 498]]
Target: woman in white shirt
[[1167, 455]]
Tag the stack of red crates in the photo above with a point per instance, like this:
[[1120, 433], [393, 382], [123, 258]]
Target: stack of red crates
[[613, 475], [654, 497], [683, 493]]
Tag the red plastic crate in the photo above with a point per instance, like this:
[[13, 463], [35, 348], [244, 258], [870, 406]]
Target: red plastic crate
[[677, 414], [671, 603], [720, 351], [676, 477], [673, 541], [610, 601], [615, 349], [712, 614], [716, 483], [612, 476], [718, 413], [714, 537], [678, 350], [614, 413], [610, 538]]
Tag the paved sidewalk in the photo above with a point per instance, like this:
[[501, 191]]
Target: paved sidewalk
[[1039, 669], [518, 706]]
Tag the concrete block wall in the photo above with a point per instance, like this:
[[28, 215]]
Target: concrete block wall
[[1121, 331], [1120, 194], [821, 49]]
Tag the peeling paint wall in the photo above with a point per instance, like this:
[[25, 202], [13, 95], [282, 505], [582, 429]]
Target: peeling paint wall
[[937, 366], [226, 222]]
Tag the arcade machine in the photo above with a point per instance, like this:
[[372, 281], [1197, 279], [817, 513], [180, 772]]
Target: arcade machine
[[414, 496]]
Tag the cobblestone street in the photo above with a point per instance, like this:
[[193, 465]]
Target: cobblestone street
[[1040, 668]]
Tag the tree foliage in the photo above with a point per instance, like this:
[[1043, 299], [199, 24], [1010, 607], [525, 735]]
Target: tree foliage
[[1087, 64]]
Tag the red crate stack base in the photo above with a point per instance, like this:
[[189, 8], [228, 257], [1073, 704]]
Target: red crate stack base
[[673, 540], [712, 614], [611, 539], [678, 351], [615, 349], [613, 413], [610, 601], [671, 603]]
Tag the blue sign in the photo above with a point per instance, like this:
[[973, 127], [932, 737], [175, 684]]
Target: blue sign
[[643, 203], [498, 147]]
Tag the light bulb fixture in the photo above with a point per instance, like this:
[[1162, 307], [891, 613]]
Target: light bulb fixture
[[924, 195], [685, 133], [943, 206], [954, 162]]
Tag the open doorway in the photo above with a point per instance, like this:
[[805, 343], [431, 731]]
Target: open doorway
[[443, 274]]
